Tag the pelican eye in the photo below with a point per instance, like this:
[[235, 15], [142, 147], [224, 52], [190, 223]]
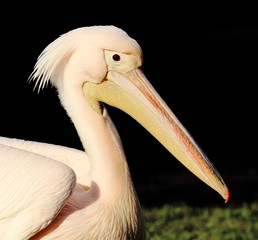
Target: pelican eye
[[116, 57], [120, 62]]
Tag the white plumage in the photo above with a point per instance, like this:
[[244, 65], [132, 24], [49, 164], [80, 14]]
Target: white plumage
[[54, 192]]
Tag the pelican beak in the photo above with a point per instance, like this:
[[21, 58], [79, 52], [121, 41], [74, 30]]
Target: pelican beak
[[132, 93]]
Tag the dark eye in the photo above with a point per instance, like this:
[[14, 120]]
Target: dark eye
[[116, 57]]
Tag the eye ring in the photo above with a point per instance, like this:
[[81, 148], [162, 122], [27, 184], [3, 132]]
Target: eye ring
[[116, 57]]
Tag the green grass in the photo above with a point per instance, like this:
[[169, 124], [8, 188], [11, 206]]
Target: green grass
[[181, 222]]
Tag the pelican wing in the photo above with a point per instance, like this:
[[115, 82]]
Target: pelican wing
[[75, 159], [33, 190]]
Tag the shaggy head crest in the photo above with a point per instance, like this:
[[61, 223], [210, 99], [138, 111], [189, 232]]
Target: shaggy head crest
[[55, 53]]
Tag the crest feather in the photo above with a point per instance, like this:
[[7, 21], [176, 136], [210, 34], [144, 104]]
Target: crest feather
[[47, 63]]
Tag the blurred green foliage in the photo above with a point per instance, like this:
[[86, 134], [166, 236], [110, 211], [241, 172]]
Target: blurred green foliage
[[182, 222]]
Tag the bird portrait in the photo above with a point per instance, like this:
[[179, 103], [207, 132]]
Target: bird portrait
[[50, 192]]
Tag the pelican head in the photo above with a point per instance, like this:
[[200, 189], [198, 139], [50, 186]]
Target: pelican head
[[103, 63]]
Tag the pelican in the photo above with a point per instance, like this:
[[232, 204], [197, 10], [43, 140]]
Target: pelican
[[55, 192]]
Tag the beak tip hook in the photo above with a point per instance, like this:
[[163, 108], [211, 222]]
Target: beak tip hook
[[227, 197]]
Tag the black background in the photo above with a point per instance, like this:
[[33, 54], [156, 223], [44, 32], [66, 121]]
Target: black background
[[201, 59]]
